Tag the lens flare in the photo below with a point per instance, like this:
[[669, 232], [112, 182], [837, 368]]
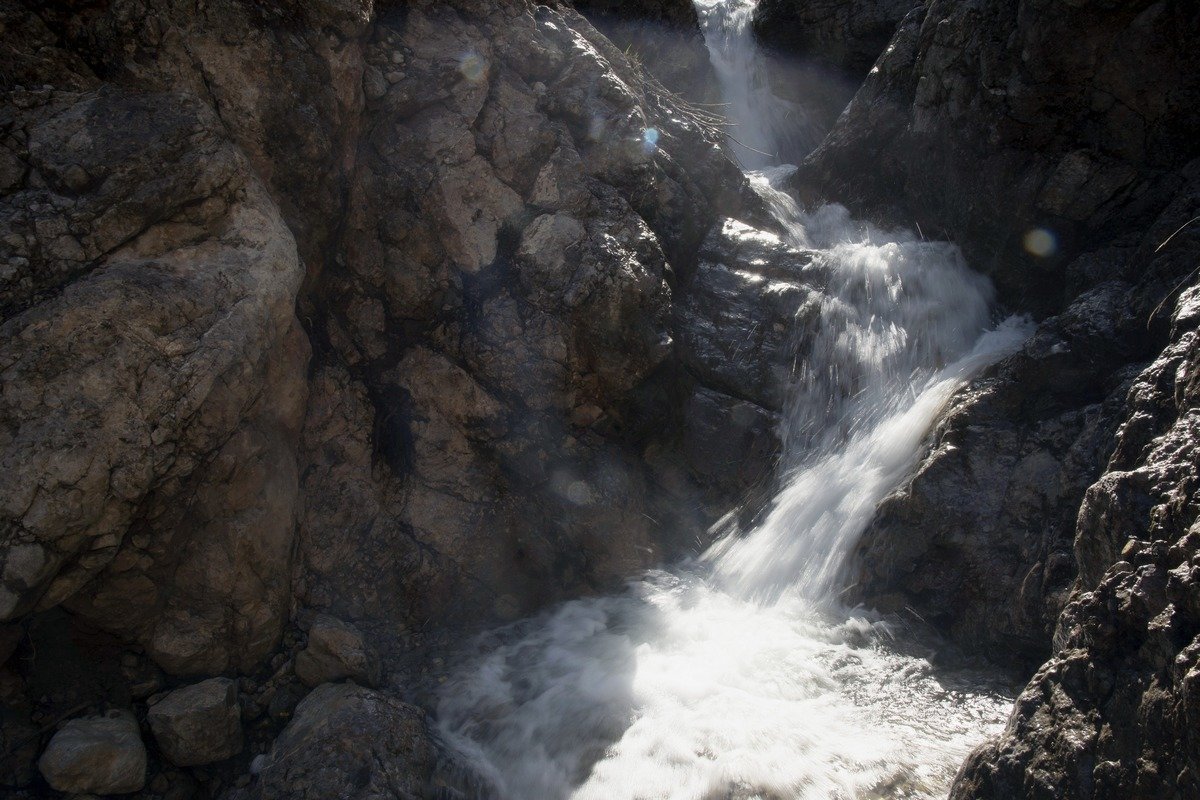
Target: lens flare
[[1040, 242], [473, 66], [650, 140]]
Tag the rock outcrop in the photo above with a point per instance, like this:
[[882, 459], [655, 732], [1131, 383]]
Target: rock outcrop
[[371, 310], [198, 724], [1028, 132], [349, 742], [96, 755], [980, 541], [1113, 713], [1051, 516]]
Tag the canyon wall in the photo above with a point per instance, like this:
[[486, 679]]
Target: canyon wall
[[1054, 514], [379, 314]]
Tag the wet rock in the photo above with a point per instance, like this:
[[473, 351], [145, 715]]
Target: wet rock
[[198, 724], [351, 742], [1028, 133], [1111, 714], [846, 36], [738, 320], [335, 651], [96, 755]]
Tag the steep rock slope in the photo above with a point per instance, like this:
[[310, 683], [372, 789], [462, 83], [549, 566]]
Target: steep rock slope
[[977, 122], [988, 121], [1053, 514], [847, 36], [377, 311]]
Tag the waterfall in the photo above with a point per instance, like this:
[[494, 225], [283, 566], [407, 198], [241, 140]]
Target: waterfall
[[742, 675]]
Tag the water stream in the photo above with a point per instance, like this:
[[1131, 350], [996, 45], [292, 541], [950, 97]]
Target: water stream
[[742, 675]]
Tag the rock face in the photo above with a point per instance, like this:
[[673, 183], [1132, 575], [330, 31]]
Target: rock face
[[847, 36], [198, 724], [336, 651], [979, 542], [349, 742], [367, 310], [1113, 713], [188, 272], [1053, 515], [664, 37], [96, 755], [738, 328], [1028, 132], [494, 348]]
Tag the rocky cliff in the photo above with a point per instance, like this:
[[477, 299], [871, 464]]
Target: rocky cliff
[[1053, 515], [379, 311], [327, 328]]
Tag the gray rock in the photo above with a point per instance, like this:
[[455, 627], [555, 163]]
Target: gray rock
[[740, 319], [994, 121], [847, 35], [349, 742], [198, 724], [96, 755], [336, 650]]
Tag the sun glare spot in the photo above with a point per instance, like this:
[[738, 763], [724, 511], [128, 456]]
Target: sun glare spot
[[650, 140], [472, 66], [1040, 242]]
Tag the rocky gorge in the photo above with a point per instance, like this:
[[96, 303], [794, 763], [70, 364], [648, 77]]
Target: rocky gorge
[[334, 333]]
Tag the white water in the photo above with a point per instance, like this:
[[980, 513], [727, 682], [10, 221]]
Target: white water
[[741, 675], [761, 122]]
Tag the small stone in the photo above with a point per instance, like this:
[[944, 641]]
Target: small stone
[[76, 178], [336, 650], [374, 85], [198, 724], [104, 755]]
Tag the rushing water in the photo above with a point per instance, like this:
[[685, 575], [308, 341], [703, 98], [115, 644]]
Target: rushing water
[[741, 675], [762, 123]]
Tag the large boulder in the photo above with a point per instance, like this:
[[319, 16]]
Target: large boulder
[[348, 742], [96, 755], [336, 650], [198, 724]]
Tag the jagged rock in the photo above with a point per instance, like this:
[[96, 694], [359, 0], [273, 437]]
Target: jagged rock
[[336, 650], [198, 724], [980, 120], [512, 392], [738, 319], [978, 542], [848, 36], [96, 755], [1112, 714], [349, 742], [155, 372]]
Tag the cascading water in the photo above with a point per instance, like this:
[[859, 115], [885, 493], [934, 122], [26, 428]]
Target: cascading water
[[741, 675], [761, 122]]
